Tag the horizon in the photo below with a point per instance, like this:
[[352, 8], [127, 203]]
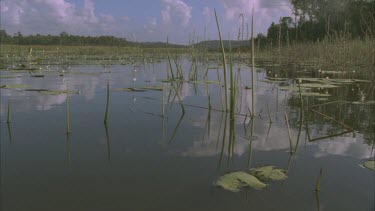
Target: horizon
[[179, 20]]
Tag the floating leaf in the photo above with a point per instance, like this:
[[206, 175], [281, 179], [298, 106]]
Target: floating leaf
[[129, 90], [57, 92], [318, 85], [370, 164], [277, 79], [204, 82], [236, 180], [37, 76], [292, 88], [270, 81], [14, 86], [313, 94], [269, 173], [10, 76]]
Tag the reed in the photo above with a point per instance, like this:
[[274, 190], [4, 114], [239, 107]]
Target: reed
[[317, 185], [8, 116], [67, 114], [224, 63], [290, 136], [252, 65], [107, 105]]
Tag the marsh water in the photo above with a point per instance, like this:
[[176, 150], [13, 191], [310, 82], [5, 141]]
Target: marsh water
[[144, 160]]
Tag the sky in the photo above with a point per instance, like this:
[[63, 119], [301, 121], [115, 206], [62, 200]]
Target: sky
[[141, 20]]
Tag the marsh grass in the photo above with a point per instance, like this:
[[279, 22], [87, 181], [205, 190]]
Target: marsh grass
[[67, 115], [107, 105], [318, 181], [8, 113], [224, 63]]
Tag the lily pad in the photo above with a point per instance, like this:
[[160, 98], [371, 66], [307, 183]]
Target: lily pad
[[314, 94], [10, 76], [129, 90], [370, 164], [236, 180], [57, 92], [269, 173], [318, 85], [270, 81], [292, 88], [14, 86]]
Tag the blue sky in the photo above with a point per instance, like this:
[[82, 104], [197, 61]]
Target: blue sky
[[139, 20]]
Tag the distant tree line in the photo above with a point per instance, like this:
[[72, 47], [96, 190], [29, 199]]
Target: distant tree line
[[318, 19], [62, 39], [312, 20]]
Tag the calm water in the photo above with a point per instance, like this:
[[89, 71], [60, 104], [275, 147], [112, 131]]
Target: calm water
[[142, 161]]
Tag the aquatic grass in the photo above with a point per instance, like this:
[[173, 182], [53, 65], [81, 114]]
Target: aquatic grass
[[9, 132], [107, 105], [290, 136], [67, 115], [108, 142], [8, 112], [318, 181], [224, 63], [252, 64]]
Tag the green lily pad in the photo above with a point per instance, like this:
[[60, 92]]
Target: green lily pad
[[10, 76], [318, 85], [277, 79], [292, 88], [370, 164], [269, 173], [204, 82], [236, 180], [313, 94], [129, 90], [57, 92], [270, 81], [14, 86]]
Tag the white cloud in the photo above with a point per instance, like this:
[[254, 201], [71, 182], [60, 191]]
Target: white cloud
[[176, 8], [208, 13], [266, 11], [46, 16]]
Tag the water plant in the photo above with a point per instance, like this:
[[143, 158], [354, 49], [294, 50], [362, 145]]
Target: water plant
[[8, 113], [67, 115], [107, 105]]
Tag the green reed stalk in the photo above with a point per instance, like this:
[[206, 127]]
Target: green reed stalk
[[107, 105], [8, 116], [67, 114], [290, 136], [317, 185], [224, 64], [162, 102], [252, 65], [232, 87]]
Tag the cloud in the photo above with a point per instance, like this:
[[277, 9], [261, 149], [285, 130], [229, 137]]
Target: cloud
[[208, 13], [266, 11], [46, 16], [176, 8], [151, 26]]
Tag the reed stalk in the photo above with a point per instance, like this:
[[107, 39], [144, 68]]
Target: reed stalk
[[67, 114], [8, 116], [317, 185], [224, 63], [290, 136], [252, 65], [107, 105]]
